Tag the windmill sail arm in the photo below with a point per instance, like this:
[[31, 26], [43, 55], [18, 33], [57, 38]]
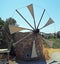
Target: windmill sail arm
[[22, 39], [50, 21], [24, 19], [40, 18], [14, 29]]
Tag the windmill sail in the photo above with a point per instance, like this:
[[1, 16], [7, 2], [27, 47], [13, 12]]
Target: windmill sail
[[30, 7], [34, 53], [14, 29], [50, 21]]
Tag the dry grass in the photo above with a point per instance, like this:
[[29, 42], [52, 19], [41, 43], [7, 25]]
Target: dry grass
[[49, 51]]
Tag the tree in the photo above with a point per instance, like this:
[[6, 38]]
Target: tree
[[1, 22], [58, 34], [11, 21], [1, 25]]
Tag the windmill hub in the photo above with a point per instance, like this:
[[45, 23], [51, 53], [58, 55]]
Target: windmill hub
[[36, 31]]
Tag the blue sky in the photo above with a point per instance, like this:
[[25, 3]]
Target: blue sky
[[7, 9]]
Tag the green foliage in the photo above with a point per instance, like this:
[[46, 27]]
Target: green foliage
[[52, 39], [1, 25], [5, 24], [58, 34], [45, 44], [1, 36], [56, 44], [11, 21], [1, 22]]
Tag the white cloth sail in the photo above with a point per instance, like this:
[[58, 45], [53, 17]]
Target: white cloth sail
[[30, 7], [50, 21], [14, 29], [34, 53]]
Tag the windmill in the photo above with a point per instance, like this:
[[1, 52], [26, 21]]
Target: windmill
[[30, 46]]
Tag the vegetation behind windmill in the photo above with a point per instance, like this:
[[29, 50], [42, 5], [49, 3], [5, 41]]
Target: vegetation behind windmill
[[55, 37]]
